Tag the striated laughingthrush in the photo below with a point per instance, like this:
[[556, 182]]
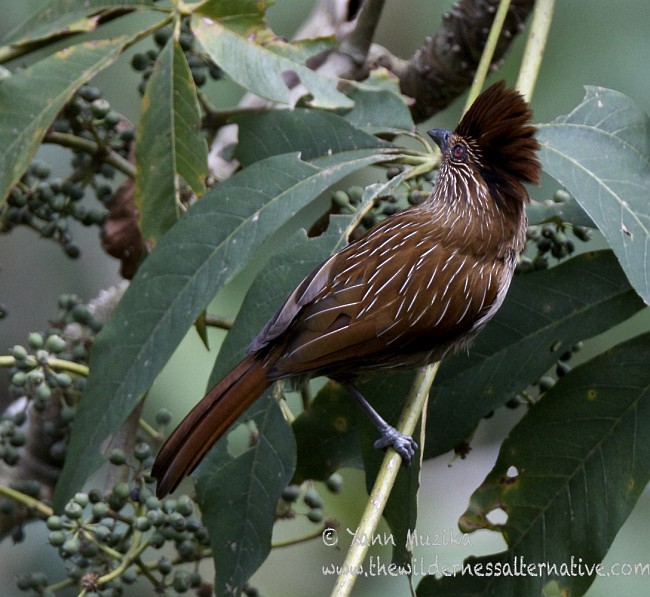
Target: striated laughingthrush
[[418, 285]]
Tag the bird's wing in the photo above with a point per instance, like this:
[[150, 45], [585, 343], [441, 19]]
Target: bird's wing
[[366, 300]]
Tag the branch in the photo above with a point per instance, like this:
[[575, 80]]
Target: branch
[[444, 66]]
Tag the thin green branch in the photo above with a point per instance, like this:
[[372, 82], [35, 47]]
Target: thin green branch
[[110, 157], [26, 500], [534, 51], [385, 481], [52, 363], [488, 53]]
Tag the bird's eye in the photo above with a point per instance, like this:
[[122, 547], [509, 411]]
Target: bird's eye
[[458, 152]]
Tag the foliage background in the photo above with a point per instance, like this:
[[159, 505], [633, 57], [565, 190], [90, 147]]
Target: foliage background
[[592, 42]]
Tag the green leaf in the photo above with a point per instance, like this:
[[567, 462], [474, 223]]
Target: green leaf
[[327, 435], [601, 153], [568, 476], [25, 115], [543, 316], [169, 143], [379, 107], [256, 60], [311, 132], [60, 18], [540, 212], [239, 497], [211, 243], [248, 526]]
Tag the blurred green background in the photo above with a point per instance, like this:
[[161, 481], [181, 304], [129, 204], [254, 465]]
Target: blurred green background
[[592, 42]]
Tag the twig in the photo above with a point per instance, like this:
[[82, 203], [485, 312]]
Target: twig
[[534, 51], [385, 480], [110, 157], [488, 53]]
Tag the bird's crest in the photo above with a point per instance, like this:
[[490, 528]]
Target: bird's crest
[[498, 122]]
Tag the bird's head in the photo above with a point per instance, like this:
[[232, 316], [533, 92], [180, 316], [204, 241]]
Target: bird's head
[[491, 152]]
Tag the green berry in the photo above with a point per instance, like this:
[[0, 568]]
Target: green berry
[[56, 538], [112, 119], [291, 493], [546, 383], [55, 343], [334, 482], [129, 576], [19, 379], [156, 518], [313, 499], [561, 196], [100, 510], [73, 510], [315, 515], [139, 62], [63, 380], [164, 566], [117, 457], [142, 523], [341, 199], [142, 451], [355, 193], [72, 250], [163, 417], [70, 547], [40, 169], [177, 521], [122, 490], [186, 549], [100, 107], [43, 392], [54, 523], [181, 582], [185, 506], [89, 93], [18, 352], [102, 532], [562, 369]]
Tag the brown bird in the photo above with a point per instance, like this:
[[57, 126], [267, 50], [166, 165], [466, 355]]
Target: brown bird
[[418, 285]]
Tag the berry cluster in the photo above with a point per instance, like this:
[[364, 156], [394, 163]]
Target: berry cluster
[[41, 378], [413, 192], [310, 497], [199, 63], [100, 537], [551, 240], [47, 204]]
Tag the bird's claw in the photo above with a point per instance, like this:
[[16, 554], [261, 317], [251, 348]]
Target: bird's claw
[[404, 445]]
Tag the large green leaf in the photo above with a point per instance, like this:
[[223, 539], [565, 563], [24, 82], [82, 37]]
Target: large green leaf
[[60, 18], [544, 314], [266, 467], [239, 497], [281, 131], [257, 60], [205, 250], [568, 476], [169, 143], [601, 153], [25, 115], [379, 107]]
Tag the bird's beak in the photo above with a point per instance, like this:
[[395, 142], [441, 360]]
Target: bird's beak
[[441, 137]]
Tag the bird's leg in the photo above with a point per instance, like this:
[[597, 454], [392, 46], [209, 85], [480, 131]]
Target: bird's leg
[[404, 445]]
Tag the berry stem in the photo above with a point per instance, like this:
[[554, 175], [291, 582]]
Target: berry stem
[[26, 500]]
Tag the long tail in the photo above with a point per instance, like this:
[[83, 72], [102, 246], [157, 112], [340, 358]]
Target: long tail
[[207, 422]]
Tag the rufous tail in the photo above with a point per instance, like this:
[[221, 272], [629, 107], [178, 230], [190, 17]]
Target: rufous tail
[[207, 422]]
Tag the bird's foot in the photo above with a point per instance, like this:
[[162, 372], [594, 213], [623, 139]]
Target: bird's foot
[[404, 445]]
